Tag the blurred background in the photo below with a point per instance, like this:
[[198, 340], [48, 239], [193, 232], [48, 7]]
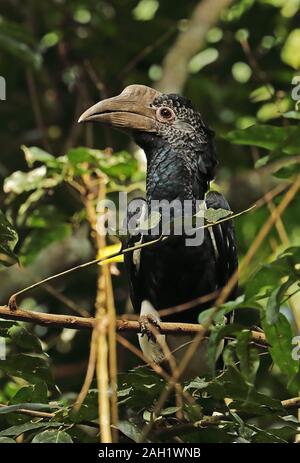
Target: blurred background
[[234, 59]]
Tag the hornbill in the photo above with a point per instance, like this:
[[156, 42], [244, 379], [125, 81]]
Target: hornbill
[[181, 162]]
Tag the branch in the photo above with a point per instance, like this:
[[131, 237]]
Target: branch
[[78, 323], [46, 415], [291, 403], [188, 43], [37, 109], [13, 298]]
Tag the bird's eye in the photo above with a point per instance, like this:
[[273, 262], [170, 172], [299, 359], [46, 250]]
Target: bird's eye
[[165, 114]]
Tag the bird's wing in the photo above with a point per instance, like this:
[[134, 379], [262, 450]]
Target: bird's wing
[[132, 260], [224, 242]]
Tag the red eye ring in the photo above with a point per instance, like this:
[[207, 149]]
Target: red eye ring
[[165, 114]]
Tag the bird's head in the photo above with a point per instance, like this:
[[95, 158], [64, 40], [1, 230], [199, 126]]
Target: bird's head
[[148, 114]]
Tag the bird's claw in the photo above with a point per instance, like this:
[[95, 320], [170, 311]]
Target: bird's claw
[[149, 326]]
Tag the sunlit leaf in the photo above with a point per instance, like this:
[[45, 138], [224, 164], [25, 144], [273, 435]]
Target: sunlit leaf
[[52, 436], [34, 154], [290, 52], [20, 182], [7, 440], [263, 93], [214, 215]]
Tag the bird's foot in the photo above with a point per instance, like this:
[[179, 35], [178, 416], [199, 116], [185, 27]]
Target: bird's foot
[[149, 326]]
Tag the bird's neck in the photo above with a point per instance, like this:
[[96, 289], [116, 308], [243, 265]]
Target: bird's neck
[[173, 175]]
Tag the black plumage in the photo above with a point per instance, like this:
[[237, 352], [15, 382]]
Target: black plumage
[[181, 162]]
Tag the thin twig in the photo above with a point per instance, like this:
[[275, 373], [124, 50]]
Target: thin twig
[[146, 51], [221, 299], [89, 373], [46, 415], [78, 323], [36, 109], [12, 303]]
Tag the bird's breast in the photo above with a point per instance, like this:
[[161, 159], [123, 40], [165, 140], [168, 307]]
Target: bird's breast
[[173, 274]]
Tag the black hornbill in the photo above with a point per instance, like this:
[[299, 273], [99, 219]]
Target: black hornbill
[[181, 162]]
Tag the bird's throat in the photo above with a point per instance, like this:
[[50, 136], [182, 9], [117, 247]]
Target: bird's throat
[[172, 175]]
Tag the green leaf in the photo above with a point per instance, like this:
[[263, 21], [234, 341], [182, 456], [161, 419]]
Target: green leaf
[[280, 336], [29, 367], [292, 115], [275, 300], [24, 339], [197, 383], [214, 215], [20, 182], [247, 355], [121, 165], [205, 315], [20, 50], [4, 328], [288, 171], [261, 436], [218, 317], [208, 435], [274, 110], [88, 410], [8, 241], [44, 216], [16, 30], [290, 51], [40, 239], [34, 154], [82, 155], [130, 430], [232, 384], [143, 385], [284, 139], [52, 436], [218, 332], [20, 336], [28, 406], [7, 440], [29, 426], [34, 393], [269, 276], [145, 10], [263, 93], [28, 205], [169, 411]]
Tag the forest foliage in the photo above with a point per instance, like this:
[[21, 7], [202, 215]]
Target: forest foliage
[[57, 58]]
